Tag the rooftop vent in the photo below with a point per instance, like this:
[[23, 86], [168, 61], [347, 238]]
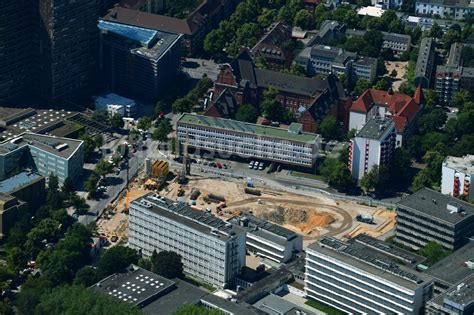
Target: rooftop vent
[[453, 208]]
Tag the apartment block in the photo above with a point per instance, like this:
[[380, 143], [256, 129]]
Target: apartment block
[[233, 138], [402, 109], [457, 10], [373, 145], [425, 64], [138, 62], [398, 43], [453, 76], [269, 240], [456, 176], [211, 249], [46, 155], [365, 276], [427, 216]]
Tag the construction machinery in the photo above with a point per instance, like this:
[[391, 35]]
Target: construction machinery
[[160, 169], [186, 169], [180, 192], [251, 191]]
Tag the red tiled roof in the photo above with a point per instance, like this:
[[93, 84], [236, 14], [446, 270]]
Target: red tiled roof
[[402, 107]]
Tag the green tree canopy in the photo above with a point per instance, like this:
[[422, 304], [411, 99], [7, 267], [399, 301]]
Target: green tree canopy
[[247, 113], [116, 121], [303, 19], [167, 264], [144, 123], [116, 259], [337, 174], [80, 300], [103, 167], [191, 309], [434, 252], [330, 129], [161, 133], [86, 276]]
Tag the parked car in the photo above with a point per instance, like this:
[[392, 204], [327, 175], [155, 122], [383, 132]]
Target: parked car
[[219, 165], [251, 164], [261, 166]]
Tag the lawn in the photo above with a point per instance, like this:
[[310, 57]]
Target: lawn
[[204, 285], [324, 308]]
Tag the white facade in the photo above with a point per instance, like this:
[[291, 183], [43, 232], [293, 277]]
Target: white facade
[[210, 249], [373, 145], [456, 176], [116, 104], [357, 120], [266, 143], [458, 10], [353, 286]]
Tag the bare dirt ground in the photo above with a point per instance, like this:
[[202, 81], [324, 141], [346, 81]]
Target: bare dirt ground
[[311, 217], [401, 68]]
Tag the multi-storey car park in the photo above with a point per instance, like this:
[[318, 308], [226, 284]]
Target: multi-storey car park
[[234, 138], [429, 216], [365, 276], [211, 249]]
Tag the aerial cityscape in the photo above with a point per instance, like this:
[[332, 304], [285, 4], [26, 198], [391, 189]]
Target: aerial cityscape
[[236, 157]]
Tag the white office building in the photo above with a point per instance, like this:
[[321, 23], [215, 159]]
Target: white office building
[[116, 104], [229, 137], [456, 176], [365, 276], [373, 145], [211, 249], [269, 240], [458, 10]]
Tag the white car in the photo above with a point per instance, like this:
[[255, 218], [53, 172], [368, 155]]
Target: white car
[[261, 166], [251, 164]]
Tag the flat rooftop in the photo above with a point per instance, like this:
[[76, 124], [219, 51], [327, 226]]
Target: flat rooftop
[[453, 268], [136, 286], [274, 305], [253, 223], [462, 293], [376, 128], [463, 164], [372, 260], [435, 204], [63, 147], [153, 43], [17, 181], [247, 128], [184, 214]]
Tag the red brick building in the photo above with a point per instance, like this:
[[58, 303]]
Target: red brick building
[[309, 99]]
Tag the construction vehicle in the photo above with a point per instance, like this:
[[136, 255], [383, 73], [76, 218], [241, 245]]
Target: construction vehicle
[[180, 192], [365, 218], [160, 169], [214, 198]]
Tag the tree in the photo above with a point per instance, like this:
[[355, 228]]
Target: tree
[[86, 276], [90, 185], [451, 36], [406, 88], [215, 41], [192, 309], [272, 108], [399, 166], [80, 300], [329, 128], [461, 97], [68, 187], [433, 252], [167, 264], [373, 44], [100, 115], [116, 121], [144, 123], [337, 174], [303, 19], [53, 198], [47, 229], [361, 86], [103, 167], [31, 294], [376, 179], [383, 84], [161, 133], [436, 31], [115, 260], [182, 105], [247, 113], [381, 68], [421, 180]]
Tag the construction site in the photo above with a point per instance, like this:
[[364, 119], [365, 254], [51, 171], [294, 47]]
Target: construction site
[[311, 216]]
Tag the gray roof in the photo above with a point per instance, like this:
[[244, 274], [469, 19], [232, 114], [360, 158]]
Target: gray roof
[[435, 205], [233, 308], [49, 144], [395, 37], [137, 286], [17, 181], [275, 305], [454, 58], [453, 268], [366, 61], [184, 214], [376, 128], [290, 83], [254, 223], [448, 3], [462, 293], [183, 293], [373, 260], [425, 57], [463, 164]]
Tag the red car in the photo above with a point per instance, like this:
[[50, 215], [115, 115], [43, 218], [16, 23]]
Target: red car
[[266, 122], [219, 165]]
